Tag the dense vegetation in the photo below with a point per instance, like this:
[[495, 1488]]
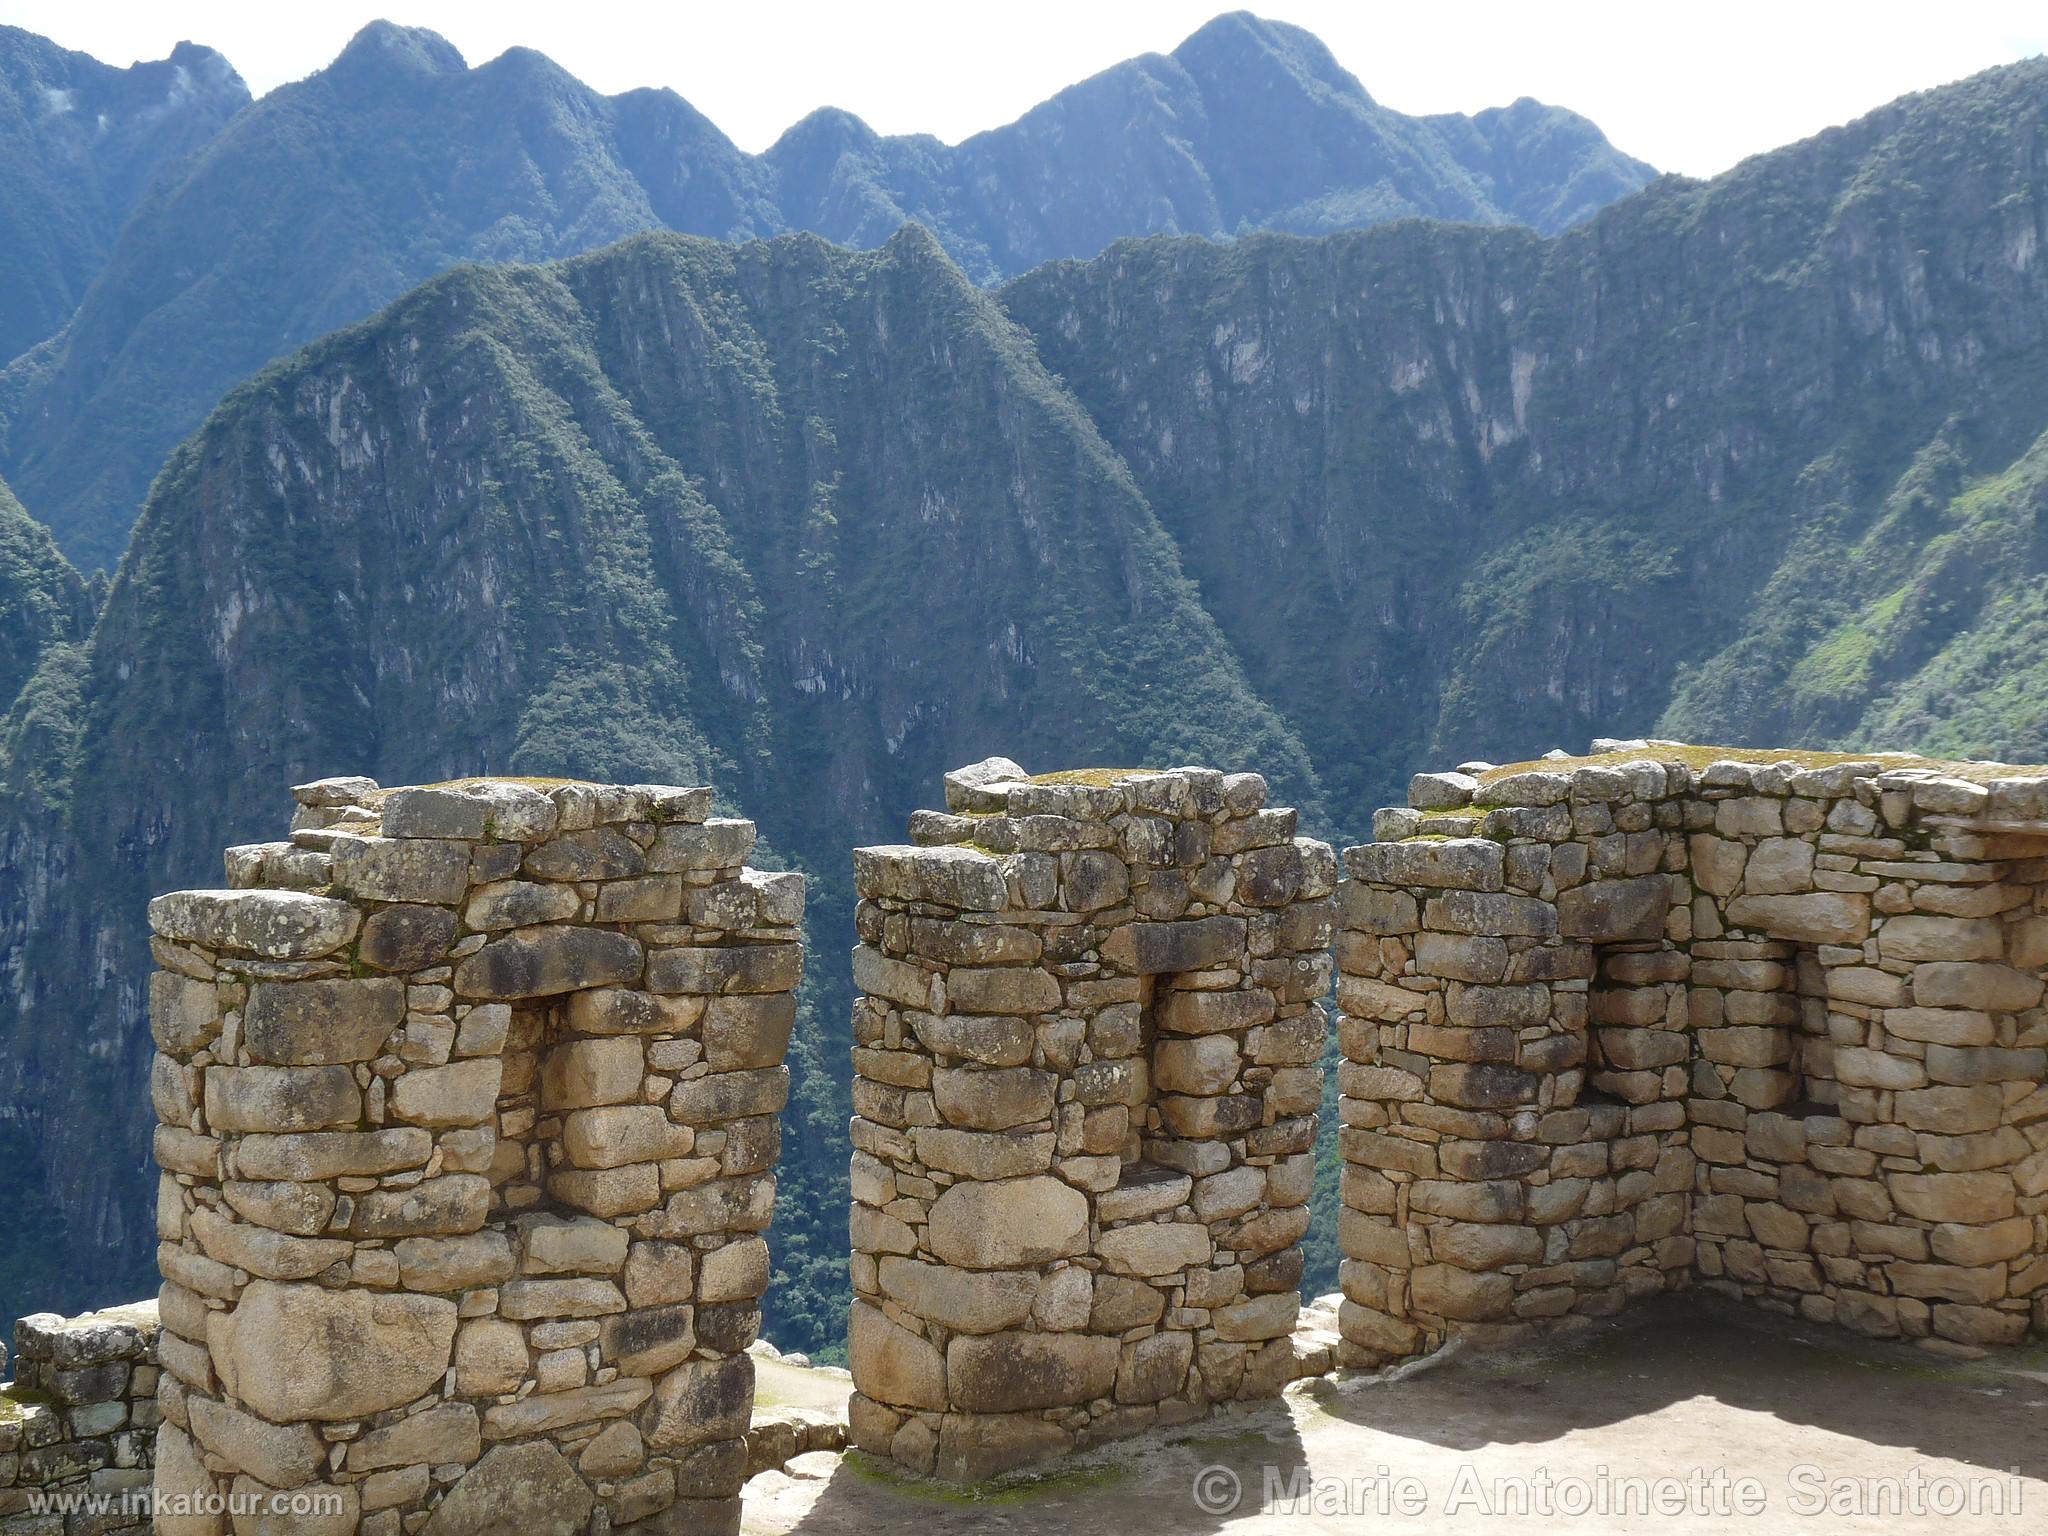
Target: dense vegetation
[[335, 194], [1758, 459], [80, 143]]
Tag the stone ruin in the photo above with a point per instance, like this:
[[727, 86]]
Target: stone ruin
[[1616, 1026], [1087, 1066], [467, 1101]]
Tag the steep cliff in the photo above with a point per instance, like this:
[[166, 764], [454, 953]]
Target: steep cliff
[[808, 524], [1527, 490], [1753, 458], [335, 194]]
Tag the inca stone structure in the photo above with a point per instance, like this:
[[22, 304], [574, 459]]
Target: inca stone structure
[[1086, 1074], [1617, 1024], [79, 1418], [468, 1104]]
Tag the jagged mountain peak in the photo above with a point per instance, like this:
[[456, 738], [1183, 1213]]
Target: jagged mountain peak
[[1241, 51], [333, 195], [385, 47]]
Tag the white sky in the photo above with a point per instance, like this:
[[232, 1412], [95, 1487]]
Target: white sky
[[1690, 88]]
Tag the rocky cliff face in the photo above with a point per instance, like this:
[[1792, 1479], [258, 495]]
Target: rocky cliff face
[[335, 194], [1739, 458], [809, 525], [1671, 470], [80, 144]]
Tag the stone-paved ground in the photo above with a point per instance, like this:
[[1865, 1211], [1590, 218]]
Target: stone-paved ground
[[1679, 1385]]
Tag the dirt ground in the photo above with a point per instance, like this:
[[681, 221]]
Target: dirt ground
[[1752, 1424]]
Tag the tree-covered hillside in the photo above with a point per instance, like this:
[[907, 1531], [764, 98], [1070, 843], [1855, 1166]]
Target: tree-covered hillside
[[1753, 459], [335, 194], [80, 144]]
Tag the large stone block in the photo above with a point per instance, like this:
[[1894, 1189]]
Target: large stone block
[[407, 938], [1822, 917], [281, 1098], [544, 962], [1008, 1222], [1193, 944], [1010, 1372], [274, 925], [402, 869], [299, 1352], [993, 1098], [529, 1488], [700, 1401], [318, 1023], [1615, 911]]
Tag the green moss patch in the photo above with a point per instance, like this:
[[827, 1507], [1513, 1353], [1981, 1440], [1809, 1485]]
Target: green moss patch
[[1099, 778], [1700, 757]]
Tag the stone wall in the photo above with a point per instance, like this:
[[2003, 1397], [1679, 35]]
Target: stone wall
[[79, 1418], [1615, 1025], [1087, 1068], [467, 1102]]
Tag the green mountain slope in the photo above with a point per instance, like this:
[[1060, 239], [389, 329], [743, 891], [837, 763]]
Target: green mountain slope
[[1757, 458], [678, 511], [333, 195], [42, 601], [80, 142], [1456, 492]]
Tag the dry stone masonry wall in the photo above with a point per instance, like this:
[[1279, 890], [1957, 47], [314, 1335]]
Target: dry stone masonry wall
[[468, 1106], [1087, 1067], [79, 1418], [1614, 1025], [467, 1101]]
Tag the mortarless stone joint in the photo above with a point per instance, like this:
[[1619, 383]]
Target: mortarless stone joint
[[467, 1104], [1614, 1026], [1087, 1068]]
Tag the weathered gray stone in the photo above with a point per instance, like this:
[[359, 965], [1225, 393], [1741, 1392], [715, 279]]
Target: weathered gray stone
[[1615, 911], [401, 869], [407, 938], [296, 1352], [1823, 917], [464, 1093], [1009, 1372], [529, 1488], [1006, 1223], [545, 962], [714, 844], [284, 1456], [700, 1401], [521, 904], [311, 1023], [275, 925], [281, 1098]]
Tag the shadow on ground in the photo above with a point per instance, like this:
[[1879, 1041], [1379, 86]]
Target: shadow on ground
[[1990, 1414], [1687, 1383]]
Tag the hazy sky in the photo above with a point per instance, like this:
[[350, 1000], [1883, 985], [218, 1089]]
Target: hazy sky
[[1690, 88]]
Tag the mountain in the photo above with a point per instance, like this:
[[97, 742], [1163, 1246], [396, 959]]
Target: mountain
[[1757, 458], [332, 196], [80, 142], [43, 603], [1751, 460], [680, 511]]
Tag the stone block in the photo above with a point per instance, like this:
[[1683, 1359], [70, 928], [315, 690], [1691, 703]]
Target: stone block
[[302, 1352]]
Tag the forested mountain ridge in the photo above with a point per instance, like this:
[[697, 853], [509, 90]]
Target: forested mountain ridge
[[1753, 458], [679, 511], [333, 195], [80, 143], [1621, 480]]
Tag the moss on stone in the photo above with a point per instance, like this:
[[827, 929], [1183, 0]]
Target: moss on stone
[[1700, 757], [1099, 778]]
